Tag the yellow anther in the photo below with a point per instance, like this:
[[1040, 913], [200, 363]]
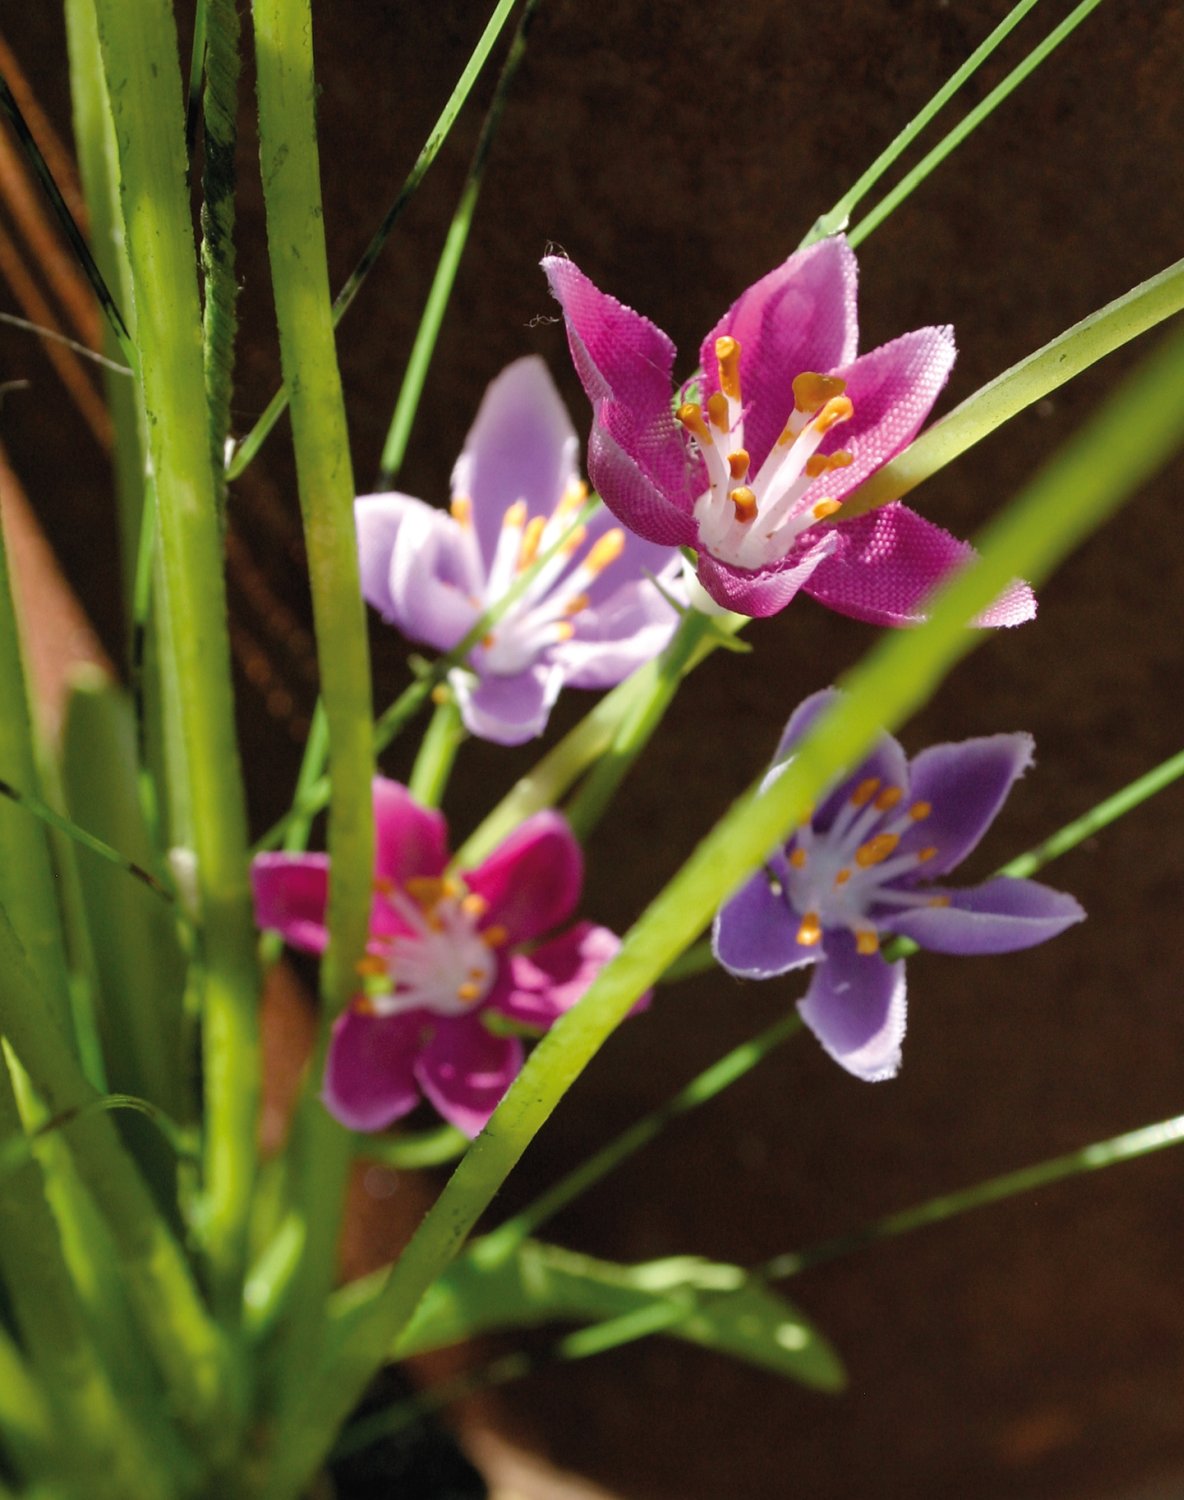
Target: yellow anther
[[866, 942], [798, 859], [745, 502], [531, 537], [865, 791], [826, 508], [738, 463], [837, 409], [462, 509], [810, 390], [810, 932], [926, 854], [690, 414], [939, 901], [370, 966], [727, 352], [515, 515], [920, 811], [823, 463], [877, 849], [573, 497], [474, 906], [889, 798], [563, 630], [717, 410], [575, 604], [575, 541], [425, 890], [467, 992], [362, 1005], [605, 550], [384, 886], [495, 936], [843, 877], [475, 973]]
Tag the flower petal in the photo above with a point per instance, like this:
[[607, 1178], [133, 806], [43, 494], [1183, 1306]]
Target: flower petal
[[378, 518], [549, 980], [508, 710], [291, 892], [965, 785], [531, 881], [799, 317], [522, 446], [464, 1070], [1000, 916], [613, 639], [762, 592], [369, 1073], [855, 1006], [632, 495], [432, 581], [409, 839], [754, 935]]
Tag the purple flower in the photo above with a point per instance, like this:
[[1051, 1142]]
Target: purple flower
[[448, 953], [589, 617], [859, 871], [783, 422]]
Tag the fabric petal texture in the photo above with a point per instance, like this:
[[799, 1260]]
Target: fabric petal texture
[[508, 710], [291, 893], [464, 1070], [755, 933], [370, 1071], [855, 1006], [550, 979], [409, 839], [532, 881], [1000, 916], [964, 785]]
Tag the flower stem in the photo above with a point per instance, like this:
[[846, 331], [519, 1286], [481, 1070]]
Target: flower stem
[[437, 751]]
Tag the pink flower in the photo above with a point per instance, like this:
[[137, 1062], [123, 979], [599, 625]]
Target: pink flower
[[761, 448], [448, 953]]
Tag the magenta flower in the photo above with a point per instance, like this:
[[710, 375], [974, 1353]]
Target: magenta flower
[[859, 871], [783, 422], [588, 618], [455, 962]]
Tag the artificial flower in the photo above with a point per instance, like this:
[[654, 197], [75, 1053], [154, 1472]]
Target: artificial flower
[[587, 618], [448, 954], [750, 463], [862, 869]]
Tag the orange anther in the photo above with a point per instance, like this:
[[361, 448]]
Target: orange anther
[[474, 906], [727, 352], [495, 936], [738, 463], [530, 540], [837, 409], [920, 810], [826, 508], [866, 942], [865, 791], [810, 932], [876, 849], [462, 509], [690, 414], [425, 890], [798, 859], [515, 515], [745, 502], [939, 901], [605, 550], [717, 410], [889, 798], [811, 391], [843, 877], [467, 992], [926, 854]]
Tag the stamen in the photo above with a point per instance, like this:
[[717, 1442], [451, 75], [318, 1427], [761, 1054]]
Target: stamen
[[515, 515], [474, 906], [920, 811], [575, 541], [575, 604], [606, 550], [843, 876], [745, 502], [811, 391], [810, 932], [738, 463], [926, 854], [563, 630], [826, 508], [462, 510], [717, 410], [822, 463], [530, 541], [837, 409], [495, 936], [727, 352], [888, 798], [939, 901], [468, 992], [384, 886], [573, 497], [362, 1005], [425, 890], [370, 966], [798, 859], [865, 791], [690, 414], [866, 942], [876, 850]]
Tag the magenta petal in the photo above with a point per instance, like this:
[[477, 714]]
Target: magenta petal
[[764, 591], [965, 785], [432, 581], [632, 495], [508, 710], [999, 916], [464, 1070], [409, 839], [550, 980], [531, 881], [521, 446], [291, 892], [369, 1073], [755, 933], [855, 1006]]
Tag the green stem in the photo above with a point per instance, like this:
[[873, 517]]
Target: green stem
[[892, 201], [276, 407], [25, 1421], [1035, 377], [437, 751], [219, 19], [139, 45]]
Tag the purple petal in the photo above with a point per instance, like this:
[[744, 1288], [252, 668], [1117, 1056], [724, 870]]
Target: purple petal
[[522, 446], [531, 881], [409, 839], [1000, 916], [965, 785], [550, 980], [764, 591], [369, 1073], [291, 892], [855, 1006], [432, 583], [754, 935], [464, 1070], [613, 639], [799, 317], [639, 560], [508, 710], [378, 518]]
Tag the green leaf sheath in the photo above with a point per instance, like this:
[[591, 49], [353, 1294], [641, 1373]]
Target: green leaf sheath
[[139, 45], [222, 67]]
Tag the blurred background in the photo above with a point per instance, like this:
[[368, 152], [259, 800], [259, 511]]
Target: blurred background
[[1034, 1349]]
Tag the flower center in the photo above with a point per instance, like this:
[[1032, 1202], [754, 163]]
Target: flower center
[[837, 878], [542, 614], [443, 962], [752, 520]]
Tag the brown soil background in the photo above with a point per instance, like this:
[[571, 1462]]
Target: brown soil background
[[1035, 1349]]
